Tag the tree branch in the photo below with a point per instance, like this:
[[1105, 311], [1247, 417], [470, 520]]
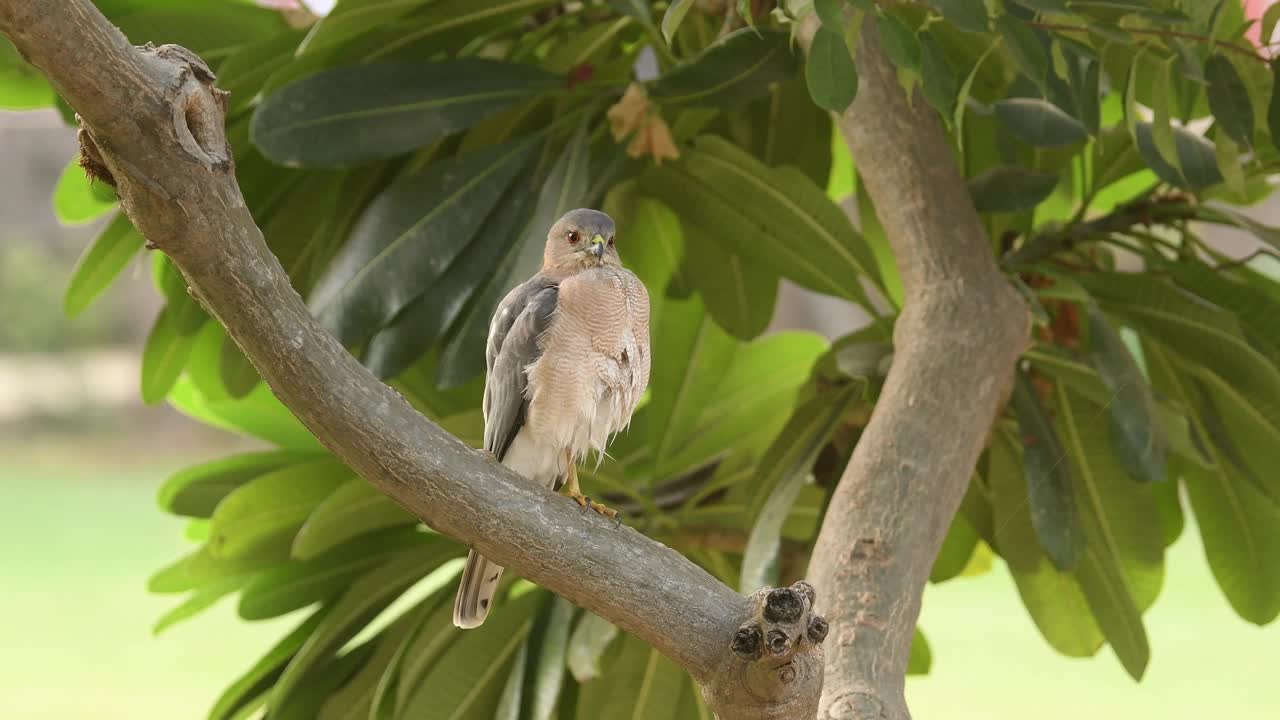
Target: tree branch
[[961, 330], [154, 122]]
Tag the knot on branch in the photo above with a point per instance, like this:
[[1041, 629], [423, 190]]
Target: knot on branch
[[775, 669], [199, 108]]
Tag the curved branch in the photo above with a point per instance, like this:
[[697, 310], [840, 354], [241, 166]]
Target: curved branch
[[153, 122], [961, 330]]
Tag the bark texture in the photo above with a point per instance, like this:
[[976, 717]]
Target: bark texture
[[153, 126], [960, 333]]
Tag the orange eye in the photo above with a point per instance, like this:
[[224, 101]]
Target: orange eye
[[574, 237]]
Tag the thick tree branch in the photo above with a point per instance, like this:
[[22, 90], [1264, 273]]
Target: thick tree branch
[[155, 121], [961, 330]]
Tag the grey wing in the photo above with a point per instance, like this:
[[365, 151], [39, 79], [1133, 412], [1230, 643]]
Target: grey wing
[[521, 319]]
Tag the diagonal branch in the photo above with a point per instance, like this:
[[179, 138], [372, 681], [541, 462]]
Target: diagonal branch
[[962, 328], [155, 121]]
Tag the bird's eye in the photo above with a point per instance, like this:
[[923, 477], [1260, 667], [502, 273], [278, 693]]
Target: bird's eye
[[574, 237], [610, 241]]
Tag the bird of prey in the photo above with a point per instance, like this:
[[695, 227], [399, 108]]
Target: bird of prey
[[568, 359]]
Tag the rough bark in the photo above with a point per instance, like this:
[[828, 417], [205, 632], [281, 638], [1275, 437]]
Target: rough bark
[[153, 125], [955, 345]]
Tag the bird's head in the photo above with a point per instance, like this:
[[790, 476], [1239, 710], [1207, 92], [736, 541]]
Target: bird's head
[[581, 239]]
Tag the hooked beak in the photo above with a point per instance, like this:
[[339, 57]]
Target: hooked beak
[[597, 246]]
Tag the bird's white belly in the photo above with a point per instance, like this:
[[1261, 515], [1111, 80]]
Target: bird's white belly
[[592, 399]]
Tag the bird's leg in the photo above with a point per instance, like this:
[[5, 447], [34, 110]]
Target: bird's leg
[[575, 492], [571, 485]]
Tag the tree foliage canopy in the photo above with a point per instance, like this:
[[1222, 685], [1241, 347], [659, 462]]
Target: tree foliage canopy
[[404, 159]]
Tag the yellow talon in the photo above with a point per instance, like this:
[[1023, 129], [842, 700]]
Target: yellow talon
[[584, 502]]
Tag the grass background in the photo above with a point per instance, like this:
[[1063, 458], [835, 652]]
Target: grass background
[[80, 533]]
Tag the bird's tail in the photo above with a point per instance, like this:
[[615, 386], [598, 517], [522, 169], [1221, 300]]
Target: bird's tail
[[475, 592]]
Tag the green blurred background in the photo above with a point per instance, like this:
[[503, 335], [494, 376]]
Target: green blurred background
[[81, 460]]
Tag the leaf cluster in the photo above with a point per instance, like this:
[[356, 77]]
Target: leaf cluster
[[405, 158]]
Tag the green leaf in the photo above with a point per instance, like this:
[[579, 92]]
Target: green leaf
[[164, 355], [1196, 157], [898, 41], [1229, 100], [350, 115], [200, 600], [510, 698], [349, 20], [1240, 527], [1273, 108], [1199, 333], [272, 507], [774, 216], [435, 634], [408, 236], [690, 359], [1050, 478], [283, 589], [1045, 6], [1040, 122], [355, 699], [591, 638], [938, 75], [672, 18], [1115, 611], [210, 30], [259, 414], [188, 315], [968, 15], [467, 680], [1162, 96], [553, 648], [783, 472], [1269, 19], [196, 490], [252, 687], [354, 509], [563, 189], [738, 292], [1252, 306], [1119, 516], [1053, 598], [22, 87], [1010, 188], [639, 683], [829, 71], [1027, 47], [1139, 437], [103, 260], [363, 600], [957, 547], [733, 70], [1229, 165], [831, 14], [1130, 99], [239, 376], [753, 398], [427, 319], [246, 71], [921, 658], [77, 200]]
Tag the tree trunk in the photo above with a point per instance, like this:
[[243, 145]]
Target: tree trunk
[[961, 330]]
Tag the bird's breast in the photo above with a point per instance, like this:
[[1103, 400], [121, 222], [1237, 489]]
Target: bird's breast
[[594, 363]]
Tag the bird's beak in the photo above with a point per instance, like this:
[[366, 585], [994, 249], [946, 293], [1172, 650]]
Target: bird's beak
[[597, 246]]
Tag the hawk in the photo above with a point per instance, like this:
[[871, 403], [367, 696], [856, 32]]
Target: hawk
[[568, 359]]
